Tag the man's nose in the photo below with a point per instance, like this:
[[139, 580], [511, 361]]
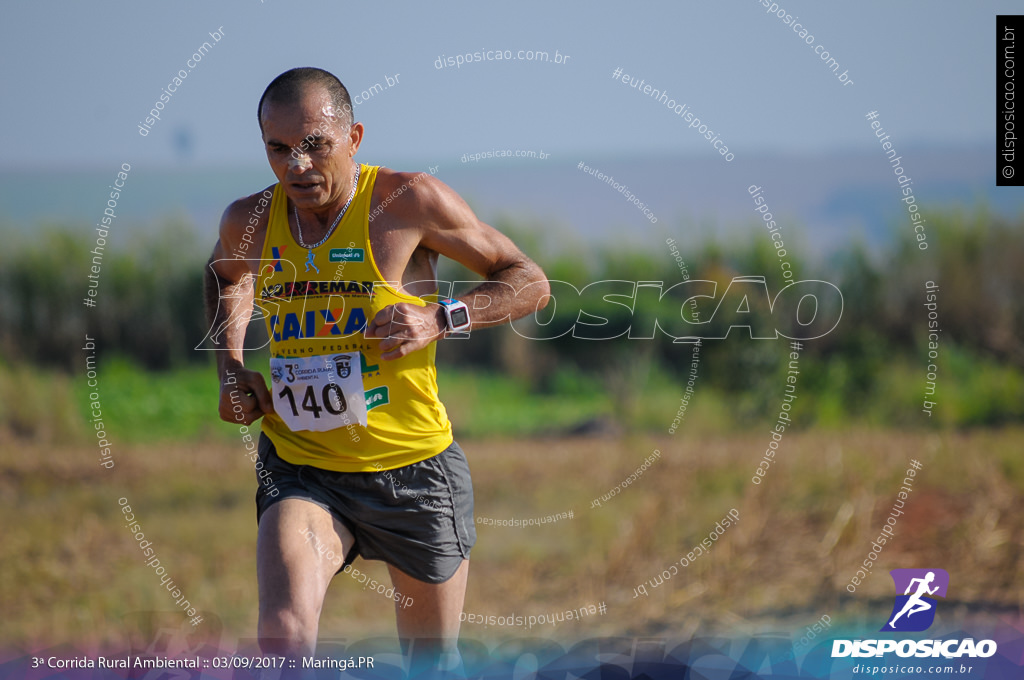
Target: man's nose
[[299, 163]]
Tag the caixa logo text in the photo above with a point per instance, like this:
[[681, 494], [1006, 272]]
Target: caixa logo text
[[949, 649], [684, 311]]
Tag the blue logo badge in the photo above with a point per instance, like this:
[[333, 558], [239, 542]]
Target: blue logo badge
[[914, 610]]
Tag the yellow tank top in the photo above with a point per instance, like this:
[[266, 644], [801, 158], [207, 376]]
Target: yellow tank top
[[405, 420]]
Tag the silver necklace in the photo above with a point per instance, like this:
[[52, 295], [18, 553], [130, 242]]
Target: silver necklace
[[355, 184]]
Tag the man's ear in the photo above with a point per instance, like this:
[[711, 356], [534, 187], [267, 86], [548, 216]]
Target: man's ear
[[355, 136]]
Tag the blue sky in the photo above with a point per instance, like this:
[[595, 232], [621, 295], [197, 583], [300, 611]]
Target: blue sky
[[79, 77]]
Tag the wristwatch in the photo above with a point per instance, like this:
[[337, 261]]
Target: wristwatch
[[456, 314]]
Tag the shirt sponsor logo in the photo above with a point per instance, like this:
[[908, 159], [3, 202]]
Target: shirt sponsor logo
[[346, 255], [293, 289], [378, 396], [277, 252], [317, 323]]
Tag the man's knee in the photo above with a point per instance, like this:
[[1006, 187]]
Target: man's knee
[[286, 630]]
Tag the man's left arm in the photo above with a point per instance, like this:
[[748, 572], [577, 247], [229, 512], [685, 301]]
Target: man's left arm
[[514, 284]]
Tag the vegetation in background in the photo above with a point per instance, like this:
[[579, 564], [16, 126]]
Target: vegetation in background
[[149, 320]]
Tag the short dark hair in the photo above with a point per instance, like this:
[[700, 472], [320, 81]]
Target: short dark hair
[[293, 83]]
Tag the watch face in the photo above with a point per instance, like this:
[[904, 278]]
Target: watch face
[[459, 317]]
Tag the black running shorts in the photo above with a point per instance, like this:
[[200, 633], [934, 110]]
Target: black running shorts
[[418, 518]]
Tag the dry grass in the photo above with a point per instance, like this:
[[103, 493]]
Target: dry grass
[[70, 571]]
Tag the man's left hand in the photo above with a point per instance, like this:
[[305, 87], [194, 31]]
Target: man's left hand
[[406, 327]]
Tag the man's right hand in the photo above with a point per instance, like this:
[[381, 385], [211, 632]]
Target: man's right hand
[[244, 397]]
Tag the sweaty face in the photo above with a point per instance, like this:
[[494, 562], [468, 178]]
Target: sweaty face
[[310, 149]]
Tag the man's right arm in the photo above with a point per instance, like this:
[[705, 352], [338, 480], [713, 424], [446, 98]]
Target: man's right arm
[[228, 296]]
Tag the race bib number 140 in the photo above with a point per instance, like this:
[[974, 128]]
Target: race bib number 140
[[319, 393]]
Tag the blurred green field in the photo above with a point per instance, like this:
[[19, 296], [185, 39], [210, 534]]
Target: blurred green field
[[70, 571], [181, 405], [141, 406]]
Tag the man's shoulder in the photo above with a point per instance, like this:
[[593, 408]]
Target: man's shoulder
[[244, 225], [253, 209], [409, 193]]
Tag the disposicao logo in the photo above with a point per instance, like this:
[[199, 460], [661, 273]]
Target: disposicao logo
[[914, 611]]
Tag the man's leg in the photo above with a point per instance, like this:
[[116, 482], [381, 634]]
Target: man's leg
[[431, 622], [293, 569]]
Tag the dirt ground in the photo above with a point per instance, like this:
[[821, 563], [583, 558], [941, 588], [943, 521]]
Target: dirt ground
[[71, 572]]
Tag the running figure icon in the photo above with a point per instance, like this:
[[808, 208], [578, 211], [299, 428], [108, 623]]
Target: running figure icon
[[309, 261], [915, 604]]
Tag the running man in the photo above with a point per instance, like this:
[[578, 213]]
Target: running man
[[915, 604], [357, 460], [309, 262]]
